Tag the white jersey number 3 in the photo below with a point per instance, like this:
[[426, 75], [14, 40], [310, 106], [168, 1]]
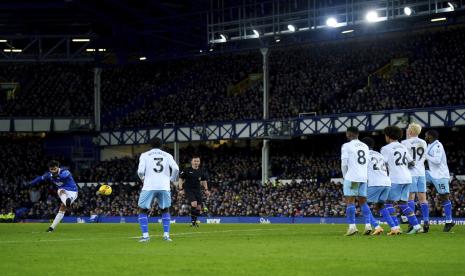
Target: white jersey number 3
[[158, 164]]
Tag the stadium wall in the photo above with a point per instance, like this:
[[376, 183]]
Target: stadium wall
[[221, 220]]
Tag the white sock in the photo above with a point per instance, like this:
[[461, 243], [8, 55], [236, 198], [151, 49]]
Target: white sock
[[378, 227], [57, 219], [449, 221], [145, 235], [416, 227], [352, 226], [367, 225], [166, 234]]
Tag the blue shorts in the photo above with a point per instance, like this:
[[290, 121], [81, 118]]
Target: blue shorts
[[378, 194], [146, 198], [399, 192], [441, 184], [418, 184], [355, 188]]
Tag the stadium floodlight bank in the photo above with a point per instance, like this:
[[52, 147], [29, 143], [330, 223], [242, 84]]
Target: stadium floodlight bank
[[258, 19]]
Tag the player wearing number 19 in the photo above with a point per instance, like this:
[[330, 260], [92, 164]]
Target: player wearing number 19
[[156, 169], [417, 149], [354, 166], [399, 161]]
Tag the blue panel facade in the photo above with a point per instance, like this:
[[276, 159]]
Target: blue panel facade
[[294, 127]]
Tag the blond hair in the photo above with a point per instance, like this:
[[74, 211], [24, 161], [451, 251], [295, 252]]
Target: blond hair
[[414, 128]]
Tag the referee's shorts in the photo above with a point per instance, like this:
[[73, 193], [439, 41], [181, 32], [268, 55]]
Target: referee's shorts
[[194, 195]]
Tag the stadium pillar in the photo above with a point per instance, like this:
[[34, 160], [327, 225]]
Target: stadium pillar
[[176, 152], [97, 73], [265, 148]]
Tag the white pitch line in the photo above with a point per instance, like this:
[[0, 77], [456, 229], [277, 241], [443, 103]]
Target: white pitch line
[[211, 232], [174, 234], [56, 240]]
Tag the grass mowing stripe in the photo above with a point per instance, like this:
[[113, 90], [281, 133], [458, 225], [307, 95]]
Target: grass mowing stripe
[[286, 249]]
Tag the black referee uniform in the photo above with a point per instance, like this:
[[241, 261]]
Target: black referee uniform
[[192, 179]]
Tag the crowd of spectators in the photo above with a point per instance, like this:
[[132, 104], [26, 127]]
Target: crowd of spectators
[[20, 159], [197, 91], [234, 178], [48, 90], [237, 198], [325, 77], [434, 77]]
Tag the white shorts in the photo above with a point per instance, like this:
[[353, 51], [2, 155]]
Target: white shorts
[[68, 194]]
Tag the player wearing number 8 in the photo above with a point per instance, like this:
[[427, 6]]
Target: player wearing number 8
[[438, 174], [354, 167], [157, 169], [398, 161]]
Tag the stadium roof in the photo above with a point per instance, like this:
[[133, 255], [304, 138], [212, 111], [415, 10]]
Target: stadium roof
[[121, 25], [121, 31]]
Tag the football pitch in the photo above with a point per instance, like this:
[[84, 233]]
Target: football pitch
[[226, 249]]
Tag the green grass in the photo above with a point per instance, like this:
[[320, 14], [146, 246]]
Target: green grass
[[247, 249]]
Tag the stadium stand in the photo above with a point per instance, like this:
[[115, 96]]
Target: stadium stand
[[234, 178], [325, 78], [413, 70], [48, 90]]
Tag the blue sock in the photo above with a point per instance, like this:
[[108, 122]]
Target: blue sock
[[367, 213], [447, 210], [425, 211], [393, 214], [412, 219], [166, 218], [144, 225], [350, 214], [373, 221], [387, 217], [411, 204]]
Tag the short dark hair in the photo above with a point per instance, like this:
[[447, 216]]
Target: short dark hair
[[53, 164], [353, 130], [195, 156], [393, 132], [155, 143], [369, 142], [433, 133]]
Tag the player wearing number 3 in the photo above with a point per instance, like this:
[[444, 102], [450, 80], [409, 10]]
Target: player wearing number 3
[[354, 166], [156, 169]]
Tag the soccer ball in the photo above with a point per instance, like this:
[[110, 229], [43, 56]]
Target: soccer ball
[[105, 190]]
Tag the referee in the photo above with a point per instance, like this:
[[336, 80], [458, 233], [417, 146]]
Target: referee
[[190, 181]]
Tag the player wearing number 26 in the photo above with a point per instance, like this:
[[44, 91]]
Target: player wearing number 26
[[157, 169], [354, 167], [398, 161]]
